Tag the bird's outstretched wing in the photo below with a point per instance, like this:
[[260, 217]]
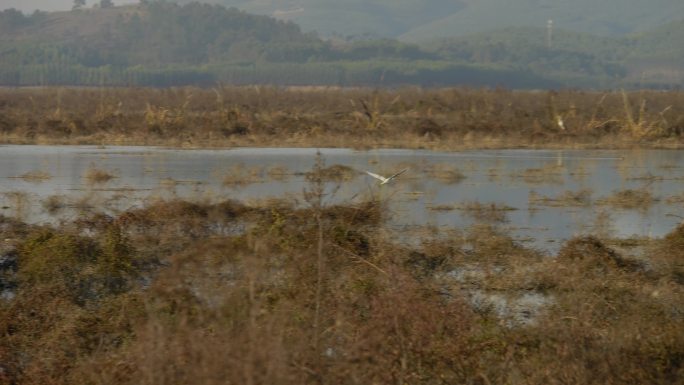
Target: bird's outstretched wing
[[397, 174], [376, 176]]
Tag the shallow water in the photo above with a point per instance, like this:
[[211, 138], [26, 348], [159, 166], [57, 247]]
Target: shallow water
[[510, 178]]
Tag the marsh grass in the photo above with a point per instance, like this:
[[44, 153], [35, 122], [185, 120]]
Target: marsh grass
[[647, 177], [240, 175], [354, 118], [602, 225], [278, 173], [580, 198], [443, 207], [629, 199], [35, 176], [550, 173], [274, 292], [95, 175], [445, 173], [488, 212], [54, 204], [675, 199], [19, 202], [335, 173]]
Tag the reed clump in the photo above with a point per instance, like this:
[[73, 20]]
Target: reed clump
[[54, 203], [95, 175]]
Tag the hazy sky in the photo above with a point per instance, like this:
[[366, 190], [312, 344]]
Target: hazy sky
[[50, 5]]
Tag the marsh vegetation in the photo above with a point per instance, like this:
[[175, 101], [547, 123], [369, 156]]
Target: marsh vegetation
[[177, 280], [330, 117], [182, 292]]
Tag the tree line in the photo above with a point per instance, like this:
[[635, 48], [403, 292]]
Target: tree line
[[159, 43]]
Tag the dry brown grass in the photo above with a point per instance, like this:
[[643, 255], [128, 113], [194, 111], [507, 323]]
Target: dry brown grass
[[550, 173], [445, 173], [18, 202], [241, 175], [629, 199], [35, 176], [238, 305], [356, 118], [95, 175], [488, 212], [54, 203], [279, 173], [336, 173], [567, 198]]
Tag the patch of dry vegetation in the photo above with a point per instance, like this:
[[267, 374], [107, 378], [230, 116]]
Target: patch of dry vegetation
[[336, 173], [629, 199], [357, 118], [286, 293], [486, 212], [547, 174], [279, 173], [95, 175], [241, 175], [445, 173], [54, 203], [580, 198], [35, 176]]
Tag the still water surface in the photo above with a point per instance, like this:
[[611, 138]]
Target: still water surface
[[512, 178]]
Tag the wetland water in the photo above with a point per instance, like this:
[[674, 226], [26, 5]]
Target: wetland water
[[548, 195]]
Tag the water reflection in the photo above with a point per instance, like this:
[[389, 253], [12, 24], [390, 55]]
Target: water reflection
[[441, 189]]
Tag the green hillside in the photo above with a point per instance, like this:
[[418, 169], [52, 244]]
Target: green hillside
[[579, 60], [576, 59], [421, 20], [155, 34], [159, 43], [609, 18], [359, 18]]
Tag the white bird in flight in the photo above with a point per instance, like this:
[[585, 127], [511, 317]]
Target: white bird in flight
[[384, 180]]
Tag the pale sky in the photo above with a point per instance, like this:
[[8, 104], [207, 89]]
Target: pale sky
[[29, 6]]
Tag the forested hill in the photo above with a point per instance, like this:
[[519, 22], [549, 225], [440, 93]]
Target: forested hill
[[423, 20], [579, 59], [155, 34], [159, 43]]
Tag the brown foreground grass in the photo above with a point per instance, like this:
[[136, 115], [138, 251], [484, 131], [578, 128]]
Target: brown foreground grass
[[357, 118], [228, 293]]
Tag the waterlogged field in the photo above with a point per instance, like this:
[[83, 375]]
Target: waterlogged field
[[145, 265], [513, 265], [540, 197]]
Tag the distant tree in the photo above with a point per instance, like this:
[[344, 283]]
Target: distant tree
[[78, 4], [11, 18], [106, 4]]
